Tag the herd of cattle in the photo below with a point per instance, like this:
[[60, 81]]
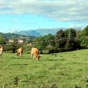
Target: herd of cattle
[[34, 52]]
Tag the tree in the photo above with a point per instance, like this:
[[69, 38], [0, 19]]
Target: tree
[[44, 41], [71, 42], [85, 31], [40, 43], [78, 34], [72, 45], [84, 41], [2, 40], [60, 34], [70, 33], [49, 39], [59, 39]]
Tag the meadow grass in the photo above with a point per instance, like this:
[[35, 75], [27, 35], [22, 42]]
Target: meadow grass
[[62, 70]]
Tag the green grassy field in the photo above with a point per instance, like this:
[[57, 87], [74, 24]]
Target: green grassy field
[[63, 70]]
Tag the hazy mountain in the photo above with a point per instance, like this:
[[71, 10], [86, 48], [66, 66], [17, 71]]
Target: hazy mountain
[[47, 31], [38, 32], [29, 33], [42, 32], [15, 36]]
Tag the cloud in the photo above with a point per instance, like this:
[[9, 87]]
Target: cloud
[[62, 10]]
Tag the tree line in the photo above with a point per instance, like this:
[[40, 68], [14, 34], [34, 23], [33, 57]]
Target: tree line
[[64, 40]]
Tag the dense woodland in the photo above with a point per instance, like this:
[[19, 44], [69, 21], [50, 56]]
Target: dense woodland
[[63, 40]]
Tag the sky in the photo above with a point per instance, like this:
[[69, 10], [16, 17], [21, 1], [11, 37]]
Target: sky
[[19, 15]]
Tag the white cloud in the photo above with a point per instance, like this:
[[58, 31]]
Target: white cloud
[[62, 10]]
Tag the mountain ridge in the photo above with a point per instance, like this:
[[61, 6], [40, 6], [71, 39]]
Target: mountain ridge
[[38, 32], [42, 32]]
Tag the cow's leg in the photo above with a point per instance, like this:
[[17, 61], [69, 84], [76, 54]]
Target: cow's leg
[[20, 54], [36, 57], [32, 55], [0, 53], [17, 54]]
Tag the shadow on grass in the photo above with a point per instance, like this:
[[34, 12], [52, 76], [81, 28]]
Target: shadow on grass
[[19, 64]]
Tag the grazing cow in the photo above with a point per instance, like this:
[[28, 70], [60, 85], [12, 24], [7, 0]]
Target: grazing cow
[[19, 51], [1, 49], [35, 53]]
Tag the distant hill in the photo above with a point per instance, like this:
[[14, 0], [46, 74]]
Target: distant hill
[[16, 36], [38, 32], [29, 33]]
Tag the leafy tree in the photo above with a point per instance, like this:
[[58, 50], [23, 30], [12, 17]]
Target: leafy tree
[[40, 43], [84, 41], [43, 42], [71, 42], [70, 33], [78, 34], [49, 39], [60, 34], [85, 31], [70, 45], [61, 43], [2, 40], [12, 48], [59, 39], [84, 37]]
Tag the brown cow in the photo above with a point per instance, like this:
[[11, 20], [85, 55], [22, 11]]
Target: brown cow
[[19, 51], [35, 53], [1, 49]]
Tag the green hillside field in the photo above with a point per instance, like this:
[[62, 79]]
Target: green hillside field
[[60, 70]]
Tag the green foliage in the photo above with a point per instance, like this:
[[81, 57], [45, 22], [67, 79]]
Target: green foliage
[[11, 48], [78, 34], [72, 44], [61, 43], [26, 48], [68, 45], [40, 43], [60, 34], [49, 39], [43, 42], [84, 41], [70, 32], [59, 39], [2, 40], [8, 48], [85, 31]]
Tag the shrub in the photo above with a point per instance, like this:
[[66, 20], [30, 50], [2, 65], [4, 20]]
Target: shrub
[[84, 41], [45, 51], [11, 48]]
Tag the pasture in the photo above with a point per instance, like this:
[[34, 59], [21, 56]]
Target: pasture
[[63, 70]]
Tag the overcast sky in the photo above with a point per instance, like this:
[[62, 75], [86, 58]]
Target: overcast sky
[[16, 15]]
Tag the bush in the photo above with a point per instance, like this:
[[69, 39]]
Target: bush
[[11, 48], [45, 52], [8, 47], [49, 51], [26, 49], [71, 45], [84, 41], [61, 49]]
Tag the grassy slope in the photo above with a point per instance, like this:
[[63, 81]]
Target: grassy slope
[[65, 70]]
